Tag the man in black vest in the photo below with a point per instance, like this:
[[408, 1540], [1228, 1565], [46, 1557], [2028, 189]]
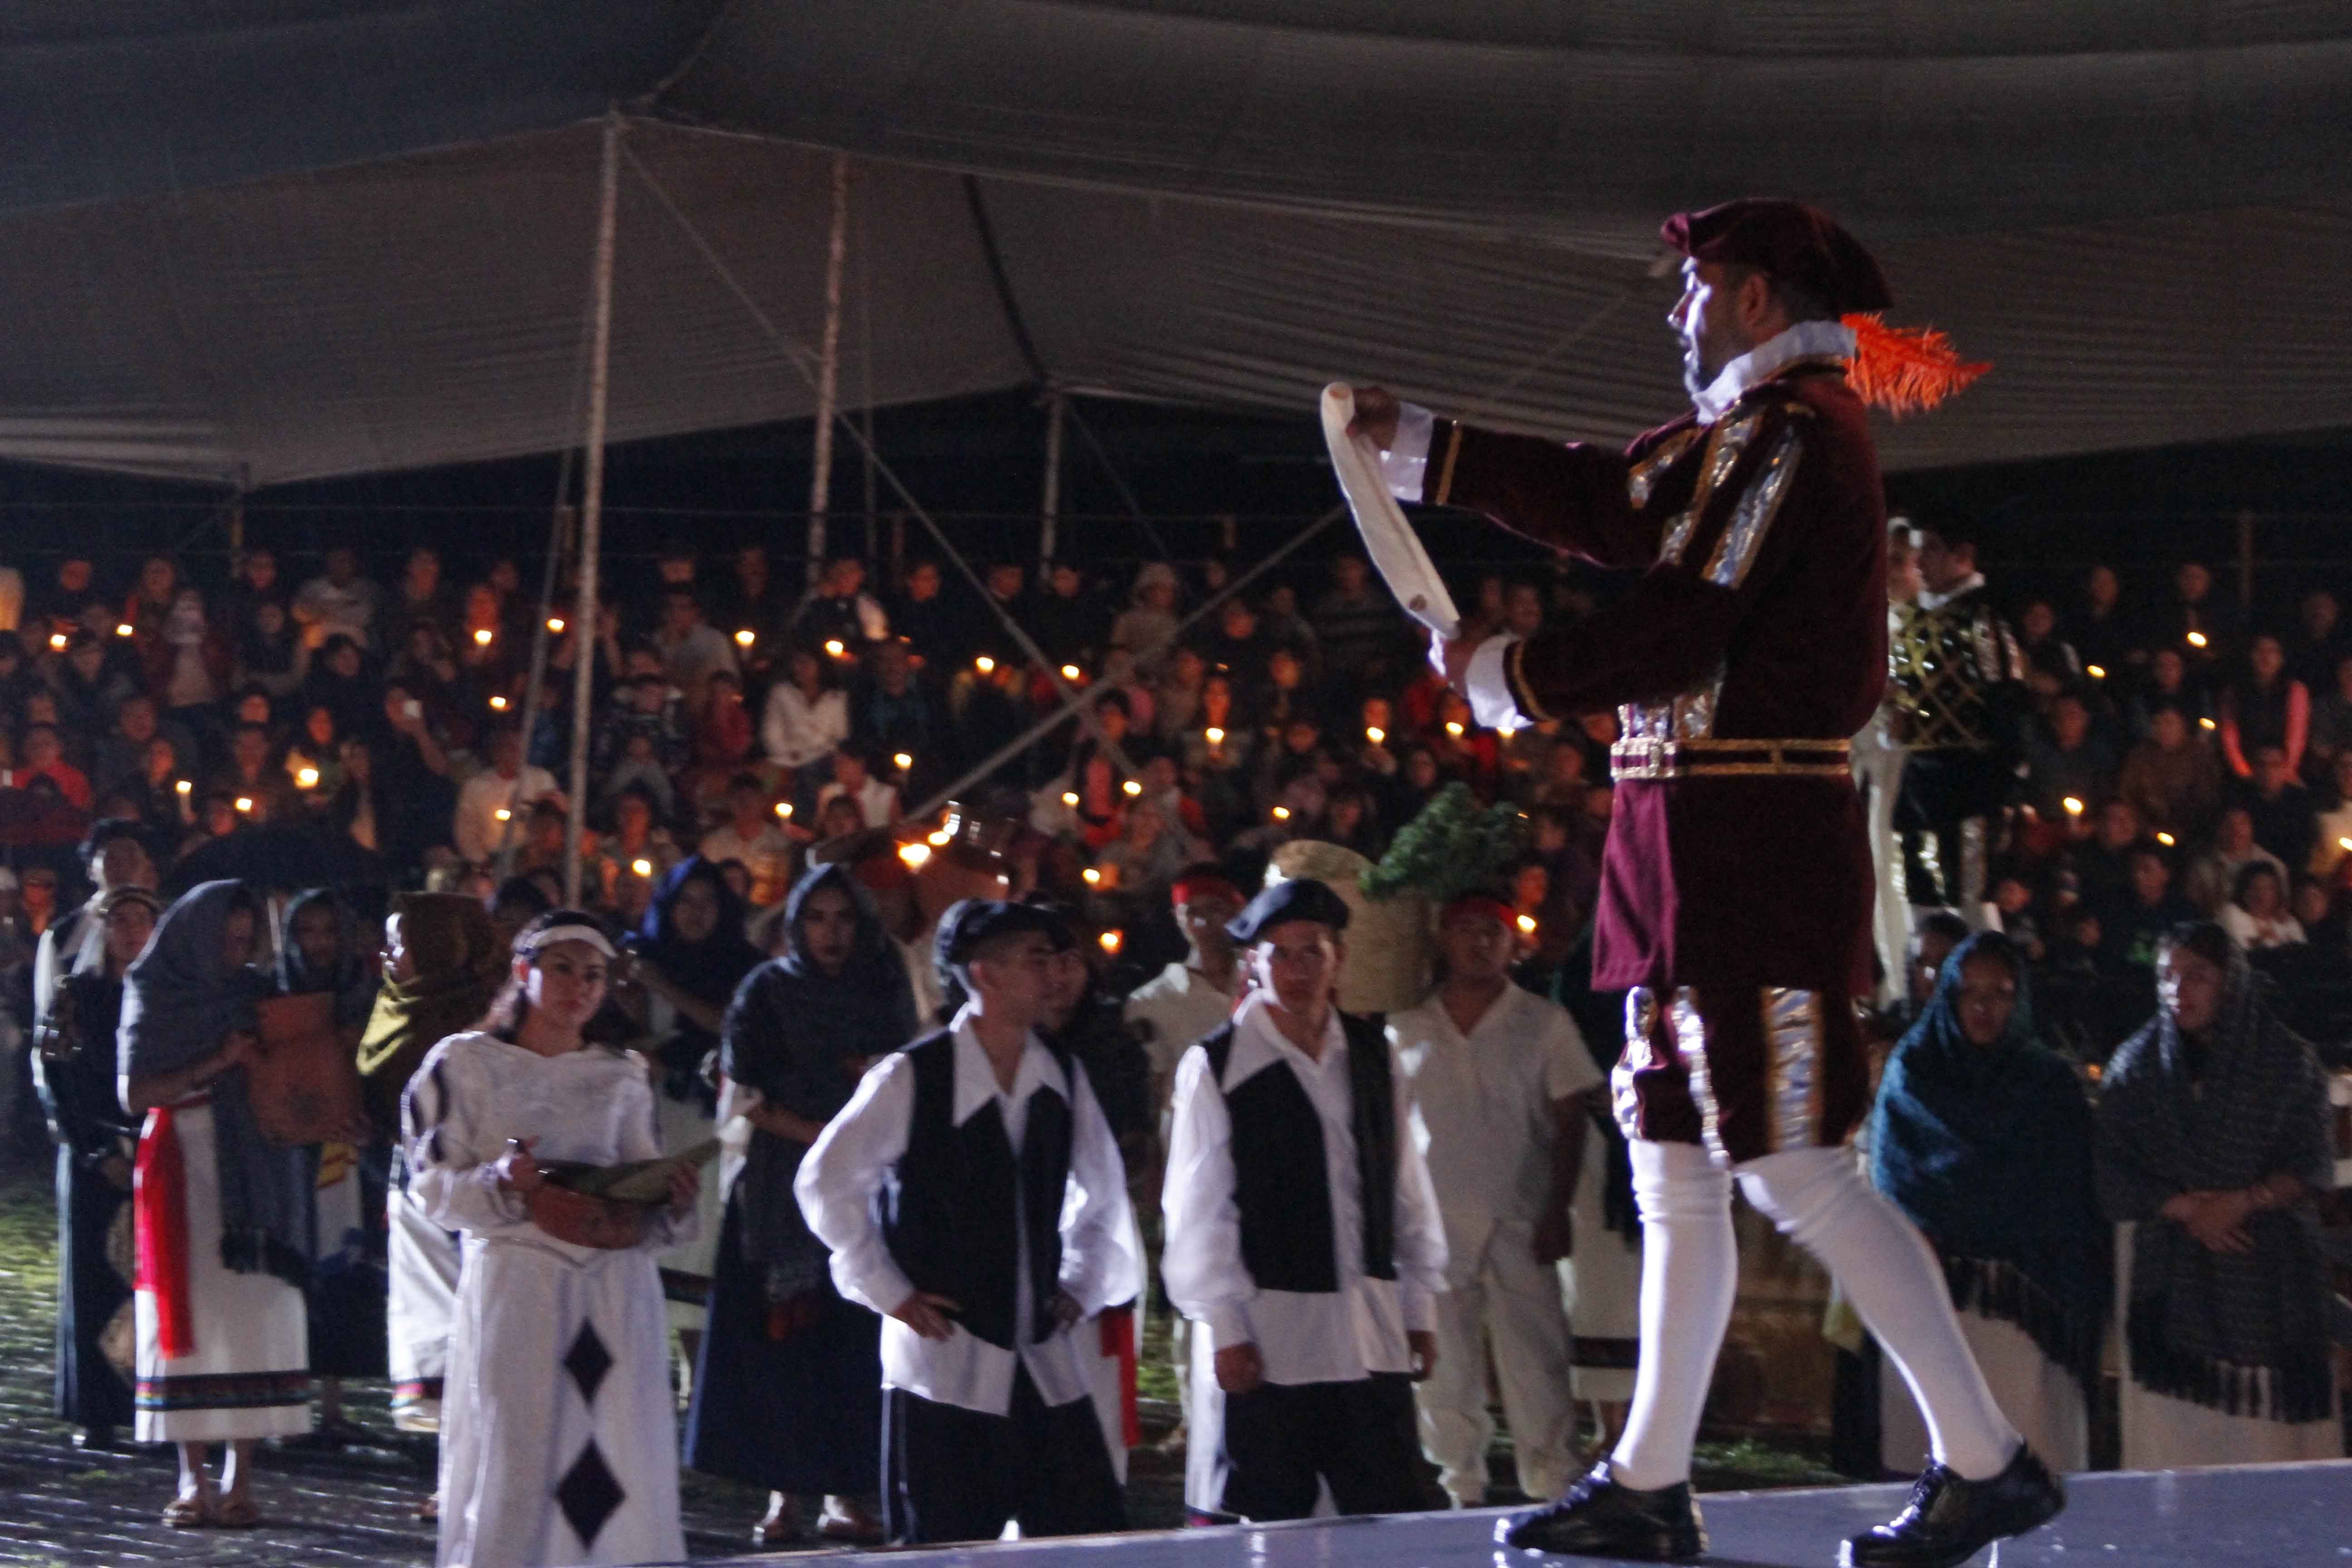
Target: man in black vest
[[971, 1193], [1302, 1236]]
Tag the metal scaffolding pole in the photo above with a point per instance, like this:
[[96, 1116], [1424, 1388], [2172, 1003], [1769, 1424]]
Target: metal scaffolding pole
[[592, 503], [828, 375]]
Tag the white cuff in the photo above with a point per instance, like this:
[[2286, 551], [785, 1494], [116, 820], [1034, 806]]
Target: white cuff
[[1229, 1325], [1491, 702], [1420, 1310], [1403, 466]]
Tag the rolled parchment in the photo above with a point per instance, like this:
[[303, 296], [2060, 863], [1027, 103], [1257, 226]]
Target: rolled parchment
[[1389, 539]]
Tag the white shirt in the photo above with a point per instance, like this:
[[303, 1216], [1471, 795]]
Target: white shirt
[[1481, 1108], [1179, 1006], [878, 803], [1102, 1254], [477, 829], [1341, 1336], [795, 731]]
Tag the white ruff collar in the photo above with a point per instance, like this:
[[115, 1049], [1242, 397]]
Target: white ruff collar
[[1806, 340]]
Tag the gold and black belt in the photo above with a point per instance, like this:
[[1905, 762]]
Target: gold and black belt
[[1654, 759]]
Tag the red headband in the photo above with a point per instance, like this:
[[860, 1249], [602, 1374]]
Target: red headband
[[1480, 903], [1204, 885]]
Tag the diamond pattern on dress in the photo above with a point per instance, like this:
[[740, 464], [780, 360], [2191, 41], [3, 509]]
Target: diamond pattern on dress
[[588, 1360], [588, 1494]]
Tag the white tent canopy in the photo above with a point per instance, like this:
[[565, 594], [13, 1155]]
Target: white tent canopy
[[309, 238]]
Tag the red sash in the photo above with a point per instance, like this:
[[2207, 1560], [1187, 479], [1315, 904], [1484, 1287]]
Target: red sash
[[160, 1208], [1118, 1332]]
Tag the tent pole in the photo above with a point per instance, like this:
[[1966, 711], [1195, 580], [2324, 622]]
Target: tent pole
[[592, 506], [828, 378], [1057, 409]]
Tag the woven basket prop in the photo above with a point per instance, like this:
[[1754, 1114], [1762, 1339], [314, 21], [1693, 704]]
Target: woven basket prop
[[1388, 963]]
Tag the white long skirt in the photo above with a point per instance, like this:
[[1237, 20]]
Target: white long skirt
[[248, 1375], [1600, 1287], [683, 1125], [2161, 1432], [558, 1435], [424, 1267], [2041, 1399]]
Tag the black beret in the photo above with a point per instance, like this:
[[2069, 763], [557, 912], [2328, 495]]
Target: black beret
[[1300, 899], [969, 923]]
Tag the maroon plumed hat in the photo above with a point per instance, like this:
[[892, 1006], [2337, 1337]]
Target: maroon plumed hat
[[1798, 245]]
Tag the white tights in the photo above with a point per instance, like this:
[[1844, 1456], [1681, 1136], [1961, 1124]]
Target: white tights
[[1690, 1272]]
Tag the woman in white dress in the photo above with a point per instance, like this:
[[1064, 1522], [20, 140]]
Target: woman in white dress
[[1982, 1137], [2213, 1147], [559, 1436], [223, 1217]]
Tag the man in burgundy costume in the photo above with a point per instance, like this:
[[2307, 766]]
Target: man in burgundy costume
[[1737, 889]]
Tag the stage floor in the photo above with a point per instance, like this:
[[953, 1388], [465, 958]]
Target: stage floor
[[2255, 1516]]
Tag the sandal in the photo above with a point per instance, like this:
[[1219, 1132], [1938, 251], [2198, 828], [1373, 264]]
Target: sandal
[[194, 1511], [778, 1529], [238, 1513], [847, 1521]]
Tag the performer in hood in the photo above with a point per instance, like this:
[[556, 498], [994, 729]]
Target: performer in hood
[[1736, 890]]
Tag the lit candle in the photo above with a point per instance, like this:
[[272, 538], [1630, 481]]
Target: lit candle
[[783, 809], [497, 704], [58, 641], [2073, 806], [2196, 639], [122, 629], [1507, 729], [913, 855], [984, 663], [903, 761], [941, 838], [745, 637], [244, 803], [306, 777], [482, 638], [1375, 734], [1282, 813], [503, 814], [642, 867], [1454, 728], [1111, 941], [1070, 798], [1093, 877], [1070, 672], [2097, 672], [556, 624], [183, 785], [2166, 839], [1133, 787], [2205, 724], [834, 646], [1528, 925], [1213, 735]]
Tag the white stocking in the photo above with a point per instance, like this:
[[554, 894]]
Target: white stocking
[[1690, 1272], [1820, 1200]]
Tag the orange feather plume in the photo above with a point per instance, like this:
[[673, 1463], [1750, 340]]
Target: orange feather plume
[[1904, 370]]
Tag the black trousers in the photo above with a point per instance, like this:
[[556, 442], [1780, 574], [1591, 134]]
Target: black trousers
[[1281, 1439], [951, 1474]]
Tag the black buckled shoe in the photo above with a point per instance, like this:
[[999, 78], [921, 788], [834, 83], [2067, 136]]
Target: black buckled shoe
[[1599, 1518], [1949, 1520]]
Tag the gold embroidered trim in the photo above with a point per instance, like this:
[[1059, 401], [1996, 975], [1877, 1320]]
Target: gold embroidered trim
[[1752, 518], [1445, 471], [1792, 1046], [1643, 476], [1724, 445], [1643, 757]]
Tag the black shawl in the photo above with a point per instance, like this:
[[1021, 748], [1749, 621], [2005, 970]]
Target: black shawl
[[2203, 1324]]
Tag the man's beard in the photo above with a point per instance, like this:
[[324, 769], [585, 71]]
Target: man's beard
[[1697, 375]]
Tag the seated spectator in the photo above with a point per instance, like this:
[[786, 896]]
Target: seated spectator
[[150, 597], [2070, 763], [839, 609], [2265, 707], [2332, 829], [424, 598], [121, 753], [2317, 642], [1143, 862], [1147, 627], [187, 661], [2214, 1144], [1359, 626], [43, 759], [691, 649], [267, 647], [2331, 714], [2052, 663], [314, 759], [2169, 682], [852, 780], [2325, 922], [2206, 627], [2132, 930], [751, 834], [507, 786], [339, 602], [84, 689], [1237, 645], [805, 718], [2257, 915], [1176, 697], [926, 617], [723, 735], [2172, 778], [638, 854], [893, 712], [1280, 623], [2215, 874], [248, 776], [1068, 623], [339, 678], [2280, 806]]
